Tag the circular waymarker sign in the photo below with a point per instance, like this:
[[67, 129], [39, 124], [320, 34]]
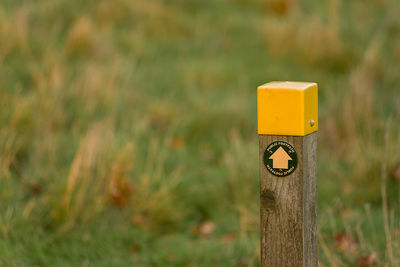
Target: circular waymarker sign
[[280, 158]]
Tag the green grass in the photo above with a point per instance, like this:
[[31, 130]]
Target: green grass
[[128, 127]]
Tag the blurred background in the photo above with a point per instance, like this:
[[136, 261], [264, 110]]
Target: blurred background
[[128, 132]]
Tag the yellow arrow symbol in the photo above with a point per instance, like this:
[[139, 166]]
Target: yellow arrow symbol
[[280, 159]]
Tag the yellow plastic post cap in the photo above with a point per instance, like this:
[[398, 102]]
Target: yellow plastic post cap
[[287, 108]]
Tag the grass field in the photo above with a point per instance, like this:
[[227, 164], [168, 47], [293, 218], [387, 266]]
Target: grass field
[[128, 131]]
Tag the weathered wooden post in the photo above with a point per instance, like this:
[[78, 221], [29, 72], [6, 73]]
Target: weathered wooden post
[[287, 126]]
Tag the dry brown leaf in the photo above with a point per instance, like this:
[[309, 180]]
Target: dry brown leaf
[[139, 221], [126, 187], [345, 243], [134, 248], [36, 188], [118, 200], [229, 238], [177, 143], [367, 261], [204, 229], [395, 172], [119, 187], [278, 7]]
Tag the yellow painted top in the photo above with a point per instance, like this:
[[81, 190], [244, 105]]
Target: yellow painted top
[[287, 108]]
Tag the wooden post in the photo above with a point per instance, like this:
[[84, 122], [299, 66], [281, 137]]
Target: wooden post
[[287, 128]]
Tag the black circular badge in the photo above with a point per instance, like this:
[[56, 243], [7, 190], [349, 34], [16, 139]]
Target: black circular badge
[[280, 158]]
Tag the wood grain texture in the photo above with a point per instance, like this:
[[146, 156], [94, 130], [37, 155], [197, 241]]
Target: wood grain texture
[[288, 207]]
